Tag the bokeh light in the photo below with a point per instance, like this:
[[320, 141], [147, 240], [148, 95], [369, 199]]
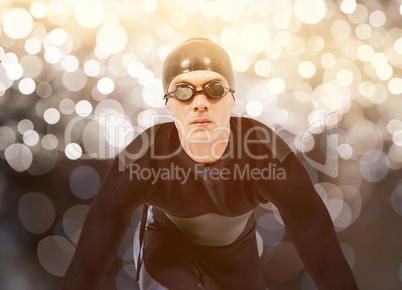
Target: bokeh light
[[281, 262], [307, 282], [396, 200], [151, 93], [8, 136], [276, 85], [316, 43], [105, 85], [83, 108], [309, 11], [229, 36], [36, 212], [377, 18], [31, 138], [327, 60], [307, 69], [67, 106], [73, 219], [17, 23], [73, 151], [49, 142], [254, 37], [146, 78], [348, 6], [89, 14], [373, 165], [270, 230], [112, 39], [74, 81], [70, 63], [254, 108], [149, 6], [51, 116], [92, 68], [38, 9], [53, 55], [363, 31], [349, 254], [397, 137], [344, 77], [262, 68], [340, 29], [57, 36], [55, 254], [241, 63], [24, 126], [44, 90], [345, 151], [8, 59], [84, 182], [18, 156], [27, 86]]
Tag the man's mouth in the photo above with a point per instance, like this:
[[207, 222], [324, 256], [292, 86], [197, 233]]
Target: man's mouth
[[201, 122]]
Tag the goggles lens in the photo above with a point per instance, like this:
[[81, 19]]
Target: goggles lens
[[213, 90]]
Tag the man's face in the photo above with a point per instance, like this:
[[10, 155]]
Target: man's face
[[200, 118]]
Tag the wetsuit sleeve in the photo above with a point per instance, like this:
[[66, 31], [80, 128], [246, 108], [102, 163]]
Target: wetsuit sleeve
[[310, 227], [103, 229]]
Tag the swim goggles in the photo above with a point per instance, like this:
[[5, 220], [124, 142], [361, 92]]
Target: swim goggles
[[214, 90]]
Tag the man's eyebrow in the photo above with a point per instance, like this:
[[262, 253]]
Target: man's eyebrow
[[215, 79], [180, 81]]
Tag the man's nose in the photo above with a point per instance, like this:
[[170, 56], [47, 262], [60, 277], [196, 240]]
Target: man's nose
[[200, 102]]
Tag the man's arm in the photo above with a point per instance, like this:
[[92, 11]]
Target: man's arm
[[310, 227], [103, 230]]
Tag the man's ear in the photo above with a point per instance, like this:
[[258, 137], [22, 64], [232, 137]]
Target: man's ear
[[167, 105]]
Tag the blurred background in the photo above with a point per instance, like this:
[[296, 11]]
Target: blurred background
[[80, 79]]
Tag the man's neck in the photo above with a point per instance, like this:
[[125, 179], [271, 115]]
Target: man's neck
[[205, 153]]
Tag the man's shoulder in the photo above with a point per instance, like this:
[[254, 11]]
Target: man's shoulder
[[248, 123], [143, 142], [255, 130]]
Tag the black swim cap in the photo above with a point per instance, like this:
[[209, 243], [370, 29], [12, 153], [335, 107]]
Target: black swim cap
[[197, 54]]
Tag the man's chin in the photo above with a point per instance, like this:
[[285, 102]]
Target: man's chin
[[199, 132], [199, 136]]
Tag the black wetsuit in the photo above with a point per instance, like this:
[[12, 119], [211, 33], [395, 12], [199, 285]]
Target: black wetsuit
[[188, 189], [257, 167]]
